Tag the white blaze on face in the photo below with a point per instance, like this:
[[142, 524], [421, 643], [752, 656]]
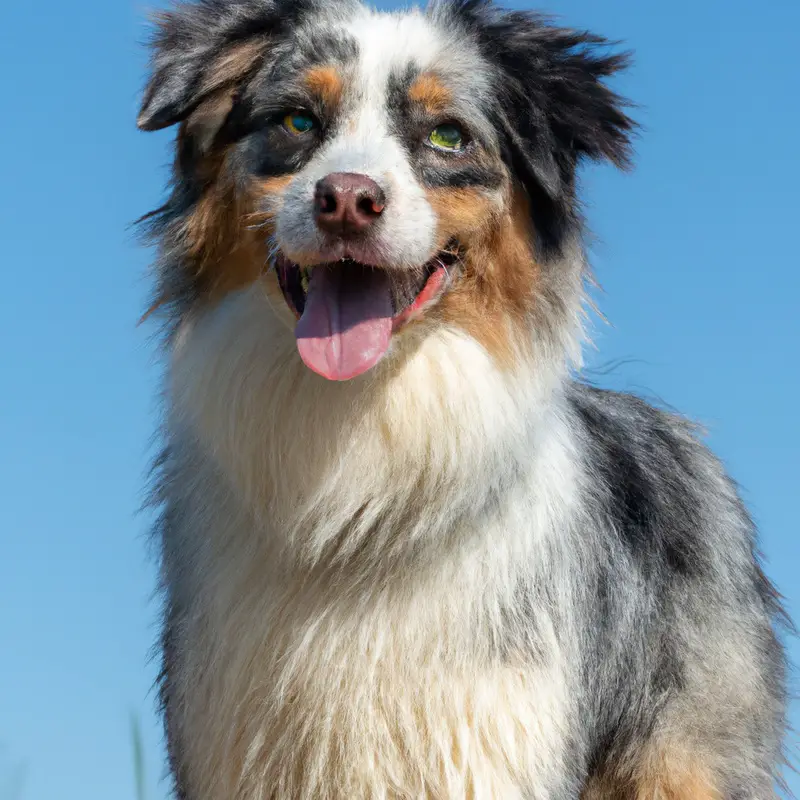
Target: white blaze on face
[[365, 144]]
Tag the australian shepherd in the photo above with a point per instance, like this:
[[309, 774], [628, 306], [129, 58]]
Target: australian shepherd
[[405, 552]]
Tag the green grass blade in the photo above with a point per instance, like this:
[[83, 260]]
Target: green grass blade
[[138, 758]]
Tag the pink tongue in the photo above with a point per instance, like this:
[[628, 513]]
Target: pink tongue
[[347, 322]]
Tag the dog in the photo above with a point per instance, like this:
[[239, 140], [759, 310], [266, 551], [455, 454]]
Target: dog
[[405, 551]]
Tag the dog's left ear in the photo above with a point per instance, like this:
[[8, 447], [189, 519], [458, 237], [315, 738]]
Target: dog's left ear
[[554, 106], [200, 50]]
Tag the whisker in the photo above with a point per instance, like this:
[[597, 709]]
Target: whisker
[[273, 248]]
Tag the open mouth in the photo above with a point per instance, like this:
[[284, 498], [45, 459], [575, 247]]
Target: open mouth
[[347, 311]]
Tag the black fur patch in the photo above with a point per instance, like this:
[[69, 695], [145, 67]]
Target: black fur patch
[[656, 519], [553, 108], [458, 176]]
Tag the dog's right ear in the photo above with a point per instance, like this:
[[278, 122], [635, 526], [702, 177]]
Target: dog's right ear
[[201, 50]]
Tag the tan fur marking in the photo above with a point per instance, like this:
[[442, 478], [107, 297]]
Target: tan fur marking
[[225, 234], [673, 775], [494, 296], [205, 122], [325, 83], [232, 65], [221, 247], [676, 777], [274, 185], [463, 213], [429, 91]]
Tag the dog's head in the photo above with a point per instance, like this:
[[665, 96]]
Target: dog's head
[[379, 173]]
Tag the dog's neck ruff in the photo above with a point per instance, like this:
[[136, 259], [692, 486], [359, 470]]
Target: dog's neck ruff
[[334, 467]]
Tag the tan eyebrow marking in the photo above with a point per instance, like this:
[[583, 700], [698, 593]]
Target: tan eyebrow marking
[[325, 83], [429, 91]]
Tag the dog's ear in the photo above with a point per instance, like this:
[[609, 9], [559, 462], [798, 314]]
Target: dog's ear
[[201, 51], [554, 105]]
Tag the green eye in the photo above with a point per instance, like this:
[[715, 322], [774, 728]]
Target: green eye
[[298, 123], [447, 137]]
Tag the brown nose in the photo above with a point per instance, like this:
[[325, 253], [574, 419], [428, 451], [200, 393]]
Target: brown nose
[[347, 204]]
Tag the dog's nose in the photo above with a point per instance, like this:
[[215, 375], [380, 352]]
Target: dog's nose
[[347, 204]]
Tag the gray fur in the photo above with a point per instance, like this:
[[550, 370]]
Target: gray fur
[[679, 603]]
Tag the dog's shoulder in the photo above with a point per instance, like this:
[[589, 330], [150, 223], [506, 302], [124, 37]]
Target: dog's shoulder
[[665, 495]]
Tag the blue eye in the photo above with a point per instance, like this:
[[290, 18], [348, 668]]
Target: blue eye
[[298, 123]]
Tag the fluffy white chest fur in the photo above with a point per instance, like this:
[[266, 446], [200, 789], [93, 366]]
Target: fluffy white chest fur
[[342, 559]]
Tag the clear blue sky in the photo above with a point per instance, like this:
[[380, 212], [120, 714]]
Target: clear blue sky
[[696, 256]]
